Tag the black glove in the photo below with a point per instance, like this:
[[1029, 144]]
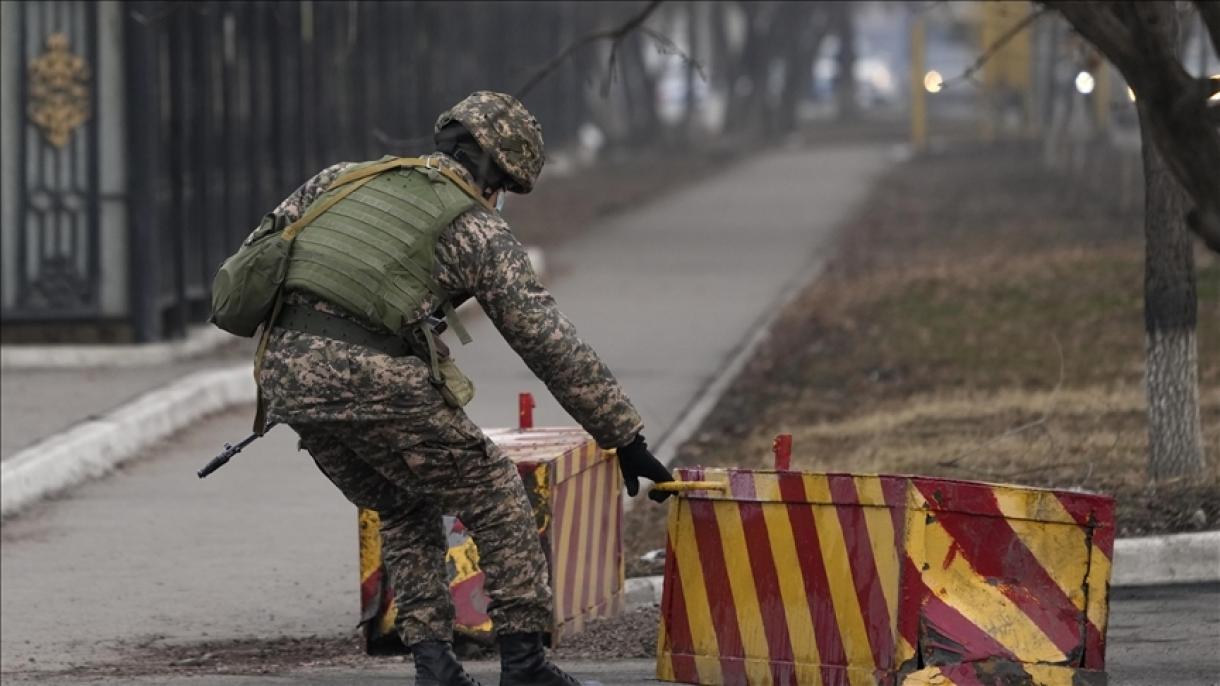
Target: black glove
[[634, 461]]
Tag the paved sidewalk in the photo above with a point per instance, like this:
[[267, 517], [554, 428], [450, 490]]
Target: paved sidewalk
[[267, 548], [38, 403], [667, 292]]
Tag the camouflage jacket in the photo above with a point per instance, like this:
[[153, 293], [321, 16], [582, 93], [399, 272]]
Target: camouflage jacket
[[308, 378]]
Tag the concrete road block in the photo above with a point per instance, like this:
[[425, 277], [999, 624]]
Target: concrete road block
[[782, 577], [576, 493]]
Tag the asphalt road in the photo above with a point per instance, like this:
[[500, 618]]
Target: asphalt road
[[1161, 636]]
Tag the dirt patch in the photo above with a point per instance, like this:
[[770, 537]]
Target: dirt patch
[[249, 656], [982, 319], [630, 635]]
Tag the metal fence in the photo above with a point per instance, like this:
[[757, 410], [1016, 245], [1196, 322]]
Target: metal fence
[[194, 118]]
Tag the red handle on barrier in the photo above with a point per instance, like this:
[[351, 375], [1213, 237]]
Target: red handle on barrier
[[782, 447], [525, 411]]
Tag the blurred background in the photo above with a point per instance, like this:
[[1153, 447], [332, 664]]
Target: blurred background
[[142, 140]]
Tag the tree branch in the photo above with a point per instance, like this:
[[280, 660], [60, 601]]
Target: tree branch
[[995, 47], [1178, 120], [615, 36]]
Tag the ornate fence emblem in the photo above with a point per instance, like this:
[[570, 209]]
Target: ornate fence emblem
[[59, 91]]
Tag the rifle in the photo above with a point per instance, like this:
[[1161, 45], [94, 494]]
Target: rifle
[[231, 450]]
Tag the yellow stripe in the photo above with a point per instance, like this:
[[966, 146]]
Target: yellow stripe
[[928, 676], [580, 592], [1049, 675], [1098, 610], [369, 524], [386, 626], [905, 652], [766, 487], [848, 616], [559, 554], [612, 556], [745, 596], [880, 525], [694, 592], [982, 603], [1060, 549], [465, 560], [792, 591]]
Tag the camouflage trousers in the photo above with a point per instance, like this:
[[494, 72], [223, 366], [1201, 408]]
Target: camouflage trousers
[[378, 465]]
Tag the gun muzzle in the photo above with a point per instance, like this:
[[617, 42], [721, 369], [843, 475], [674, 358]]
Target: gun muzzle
[[216, 462]]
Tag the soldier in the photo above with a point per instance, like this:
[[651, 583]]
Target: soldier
[[355, 365]]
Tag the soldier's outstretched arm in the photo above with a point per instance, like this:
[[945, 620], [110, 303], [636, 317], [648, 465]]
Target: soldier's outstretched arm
[[496, 270]]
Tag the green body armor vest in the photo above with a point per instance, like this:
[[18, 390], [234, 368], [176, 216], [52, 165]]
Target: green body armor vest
[[371, 252]]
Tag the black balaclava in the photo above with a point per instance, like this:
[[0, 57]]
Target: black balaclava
[[455, 141]]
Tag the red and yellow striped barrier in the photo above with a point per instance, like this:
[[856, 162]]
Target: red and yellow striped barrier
[[574, 488], [780, 577]]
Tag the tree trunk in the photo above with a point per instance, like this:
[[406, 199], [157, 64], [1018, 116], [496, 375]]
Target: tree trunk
[[1175, 437], [693, 25], [845, 62], [809, 27]]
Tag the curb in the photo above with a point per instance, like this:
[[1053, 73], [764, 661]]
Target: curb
[[199, 341], [93, 448], [1149, 561], [1167, 559]]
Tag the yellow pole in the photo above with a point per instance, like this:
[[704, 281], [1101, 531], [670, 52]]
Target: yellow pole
[[919, 106]]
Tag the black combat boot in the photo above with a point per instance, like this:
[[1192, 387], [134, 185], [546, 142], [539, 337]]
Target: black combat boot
[[436, 665], [523, 663]]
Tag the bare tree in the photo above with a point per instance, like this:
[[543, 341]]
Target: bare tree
[[845, 60], [1181, 150]]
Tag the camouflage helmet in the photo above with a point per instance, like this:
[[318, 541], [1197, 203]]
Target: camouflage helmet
[[505, 130]]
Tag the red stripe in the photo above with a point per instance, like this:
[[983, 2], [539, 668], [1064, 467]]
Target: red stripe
[[677, 628], [1095, 512], [865, 578], [719, 592], [741, 485], [770, 601], [895, 492], [813, 574], [593, 535], [1094, 648], [370, 587], [605, 529], [988, 542], [910, 601], [965, 639]]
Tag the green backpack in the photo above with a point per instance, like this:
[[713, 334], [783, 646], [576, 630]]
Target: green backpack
[[246, 289], [247, 284]]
